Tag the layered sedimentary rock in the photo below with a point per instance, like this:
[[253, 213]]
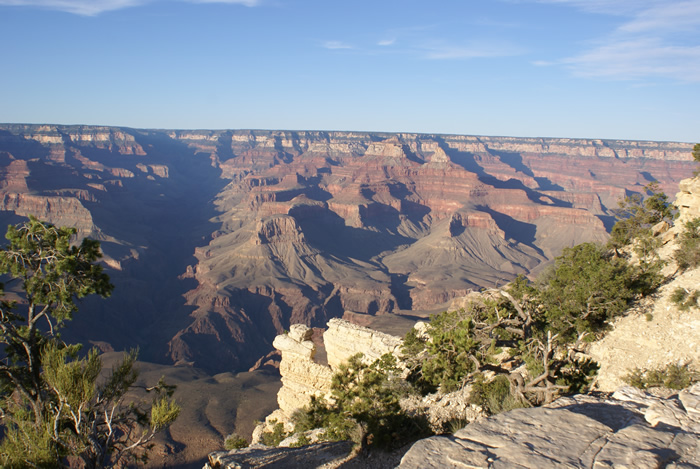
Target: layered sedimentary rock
[[303, 376], [328, 454], [219, 240], [343, 339], [688, 200]]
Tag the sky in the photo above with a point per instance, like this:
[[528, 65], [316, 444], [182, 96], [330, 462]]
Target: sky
[[611, 69]]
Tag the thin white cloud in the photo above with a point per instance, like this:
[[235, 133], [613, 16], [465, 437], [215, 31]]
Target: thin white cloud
[[387, 42], [248, 3], [469, 51], [78, 7], [610, 7], [655, 39], [672, 16], [639, 59], [333, 45], [95, 7]]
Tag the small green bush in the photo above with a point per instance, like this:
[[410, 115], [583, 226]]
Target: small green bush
[[687, 256], [234, 441], [672, 377], [274, 437], [494, 396], [302, 440], [685, 299], [365, 406]]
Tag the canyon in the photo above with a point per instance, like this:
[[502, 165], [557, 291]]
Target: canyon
[[217, 241], [615, 426]]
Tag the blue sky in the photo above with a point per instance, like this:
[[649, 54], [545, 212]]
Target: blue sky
[[627, 69]]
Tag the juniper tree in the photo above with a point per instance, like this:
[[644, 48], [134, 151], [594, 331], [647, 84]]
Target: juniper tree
[[52, 405]]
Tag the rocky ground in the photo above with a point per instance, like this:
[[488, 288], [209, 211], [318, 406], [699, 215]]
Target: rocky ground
[[630, 429], [654, 335], [655, 332]]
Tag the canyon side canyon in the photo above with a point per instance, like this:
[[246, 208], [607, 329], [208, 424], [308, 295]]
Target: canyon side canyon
[[217, 241]]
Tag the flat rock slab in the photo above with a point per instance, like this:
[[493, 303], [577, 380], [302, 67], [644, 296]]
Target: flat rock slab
[[259, 456], [596, 434]]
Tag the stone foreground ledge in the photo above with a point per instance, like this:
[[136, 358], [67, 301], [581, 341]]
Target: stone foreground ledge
[[630, 430], [311, 456]]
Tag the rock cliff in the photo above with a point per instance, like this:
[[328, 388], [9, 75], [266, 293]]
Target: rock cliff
[[305, 375]]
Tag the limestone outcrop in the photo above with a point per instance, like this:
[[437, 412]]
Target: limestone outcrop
[[344, 339], [688, 200], [303, 376], [631, 429]]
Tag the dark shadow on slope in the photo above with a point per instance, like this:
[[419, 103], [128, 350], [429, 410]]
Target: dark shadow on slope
[[518, 231], [224, 146], [614, 416], [647, 175], [401, 291], [469, 161], [410, 155], [546, 185], [22, 148], [514, 160], [163, 220], [608, 221], [328, 232]]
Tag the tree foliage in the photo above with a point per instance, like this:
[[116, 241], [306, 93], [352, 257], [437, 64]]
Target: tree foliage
[[637, 214], [543, 326], [687, 256], [587, 288], [672, 376], [56, 405], [364, 396]]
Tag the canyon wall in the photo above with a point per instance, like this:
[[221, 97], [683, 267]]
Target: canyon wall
[[217, 241]]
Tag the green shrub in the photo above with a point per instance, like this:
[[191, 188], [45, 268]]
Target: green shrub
[[685, 299], [542, 325], [274, 437], [687, 256], [364, 406], [636, 215], [672, 377], [302, 440], [494, 396], [234, 441], [588, 287]]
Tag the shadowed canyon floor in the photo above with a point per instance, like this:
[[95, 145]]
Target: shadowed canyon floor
[[217, 241]]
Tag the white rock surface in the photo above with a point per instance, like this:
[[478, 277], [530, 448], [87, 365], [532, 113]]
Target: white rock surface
[[344, 339], [576, 432]]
